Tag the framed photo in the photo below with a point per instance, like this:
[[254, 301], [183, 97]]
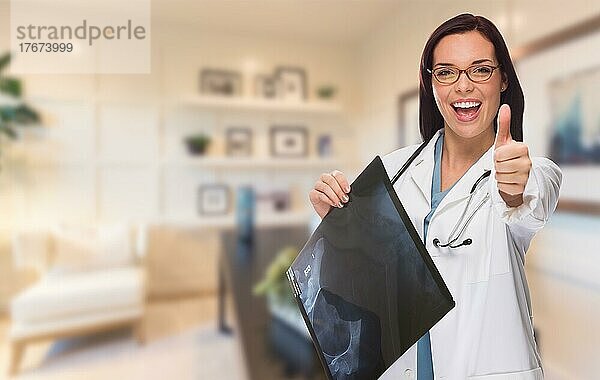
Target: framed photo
[[273, 201], [220, 82], [563, 110], [408, 116], [291, 83], [574, 132], [213, 199], [289, 141], [265, 86], [238, 142]]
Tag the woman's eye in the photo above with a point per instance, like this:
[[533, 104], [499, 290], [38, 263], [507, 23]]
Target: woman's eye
[[444, 72], [482, 70]]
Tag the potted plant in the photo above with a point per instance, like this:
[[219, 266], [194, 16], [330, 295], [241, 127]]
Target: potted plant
[[197, 144], [326, 92], [13, 112], [276, 288]]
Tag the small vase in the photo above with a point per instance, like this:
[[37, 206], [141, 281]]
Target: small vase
[[245, 213]]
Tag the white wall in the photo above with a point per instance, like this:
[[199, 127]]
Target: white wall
[[107, 120], [324, 63], [389, 55], [562, 269], [99, 155], [389, 61], [533, 19]]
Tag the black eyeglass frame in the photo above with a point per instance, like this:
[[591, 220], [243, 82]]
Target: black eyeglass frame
[[466, 71]]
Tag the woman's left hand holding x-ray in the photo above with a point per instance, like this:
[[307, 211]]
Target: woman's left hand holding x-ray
[[511, 161]]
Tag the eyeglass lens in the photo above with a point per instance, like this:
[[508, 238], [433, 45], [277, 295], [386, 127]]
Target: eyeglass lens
[[477, 73]]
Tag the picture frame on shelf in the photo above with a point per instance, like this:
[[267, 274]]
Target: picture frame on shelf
[[274, 201], [289, 141], [219, 82], [265, 86], [291, 83], [238, 142], [214, 199]]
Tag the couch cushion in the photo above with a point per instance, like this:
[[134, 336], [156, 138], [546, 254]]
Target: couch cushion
[[30, 249], [76, 324], [78, 248], [63, 296]]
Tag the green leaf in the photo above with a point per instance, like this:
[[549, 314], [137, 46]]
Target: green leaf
[[23, 114], [11, 86], [275, 279], [4, 60], [20, 115], [7, 113], [8, 131]]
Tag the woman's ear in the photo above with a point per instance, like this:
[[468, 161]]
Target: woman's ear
[[504, 82]]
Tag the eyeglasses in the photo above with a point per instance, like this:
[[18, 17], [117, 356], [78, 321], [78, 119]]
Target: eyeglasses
[[476, 73]]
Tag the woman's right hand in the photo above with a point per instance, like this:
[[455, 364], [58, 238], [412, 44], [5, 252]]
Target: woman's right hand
[[329, 191]]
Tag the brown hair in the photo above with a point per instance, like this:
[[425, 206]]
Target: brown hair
[[430, 118]]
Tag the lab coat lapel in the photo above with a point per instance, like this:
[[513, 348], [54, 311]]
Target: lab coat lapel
[[422, 170], [461, 190]]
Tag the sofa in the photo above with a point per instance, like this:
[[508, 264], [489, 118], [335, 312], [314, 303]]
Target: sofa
[[91, 278]]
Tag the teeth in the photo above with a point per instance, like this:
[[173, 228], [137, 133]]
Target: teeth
[[466, 104]]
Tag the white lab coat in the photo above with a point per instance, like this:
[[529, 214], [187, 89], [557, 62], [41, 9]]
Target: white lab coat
[[489, 333]]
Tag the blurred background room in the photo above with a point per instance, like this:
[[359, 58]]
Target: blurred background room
[[125, 198]]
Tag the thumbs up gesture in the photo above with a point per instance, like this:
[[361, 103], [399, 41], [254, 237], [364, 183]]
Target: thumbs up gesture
[[511, 161]]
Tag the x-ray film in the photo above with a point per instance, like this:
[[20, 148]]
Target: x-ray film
[[364, 282]]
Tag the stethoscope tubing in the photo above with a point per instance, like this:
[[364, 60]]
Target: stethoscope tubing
[[436, 241], [452, 238]]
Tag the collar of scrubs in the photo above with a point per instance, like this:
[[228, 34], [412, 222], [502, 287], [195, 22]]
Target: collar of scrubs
[[421, 172]]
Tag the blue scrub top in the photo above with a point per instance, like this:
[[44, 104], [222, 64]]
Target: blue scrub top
[[424, 362]]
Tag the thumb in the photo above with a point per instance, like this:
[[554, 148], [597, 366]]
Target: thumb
[[503, 134]]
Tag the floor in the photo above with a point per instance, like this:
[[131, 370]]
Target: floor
[[182, 343]]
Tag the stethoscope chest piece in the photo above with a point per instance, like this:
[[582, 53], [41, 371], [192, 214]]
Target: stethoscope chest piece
[[463, 222], [437, 243]]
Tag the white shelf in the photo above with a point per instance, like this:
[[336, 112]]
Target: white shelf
[[135, 102], [257, 163], [296, 218], [246, 103], [209, 163], [124, 163]]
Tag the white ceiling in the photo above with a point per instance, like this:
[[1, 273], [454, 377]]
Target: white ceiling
[[350, 21], [339, 21]]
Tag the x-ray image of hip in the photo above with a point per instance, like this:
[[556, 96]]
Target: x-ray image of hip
[[351, 338], [364, 282], [349, 335]]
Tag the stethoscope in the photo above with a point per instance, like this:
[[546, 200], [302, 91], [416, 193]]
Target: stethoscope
[[461, 224], [456, 231]]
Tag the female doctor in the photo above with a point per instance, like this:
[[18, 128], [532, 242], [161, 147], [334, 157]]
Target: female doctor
[[477, 198]]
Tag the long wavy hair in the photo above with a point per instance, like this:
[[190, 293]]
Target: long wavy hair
[[430, 118]]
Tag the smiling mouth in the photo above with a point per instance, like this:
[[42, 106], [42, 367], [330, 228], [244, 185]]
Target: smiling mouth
[[466, 111]]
